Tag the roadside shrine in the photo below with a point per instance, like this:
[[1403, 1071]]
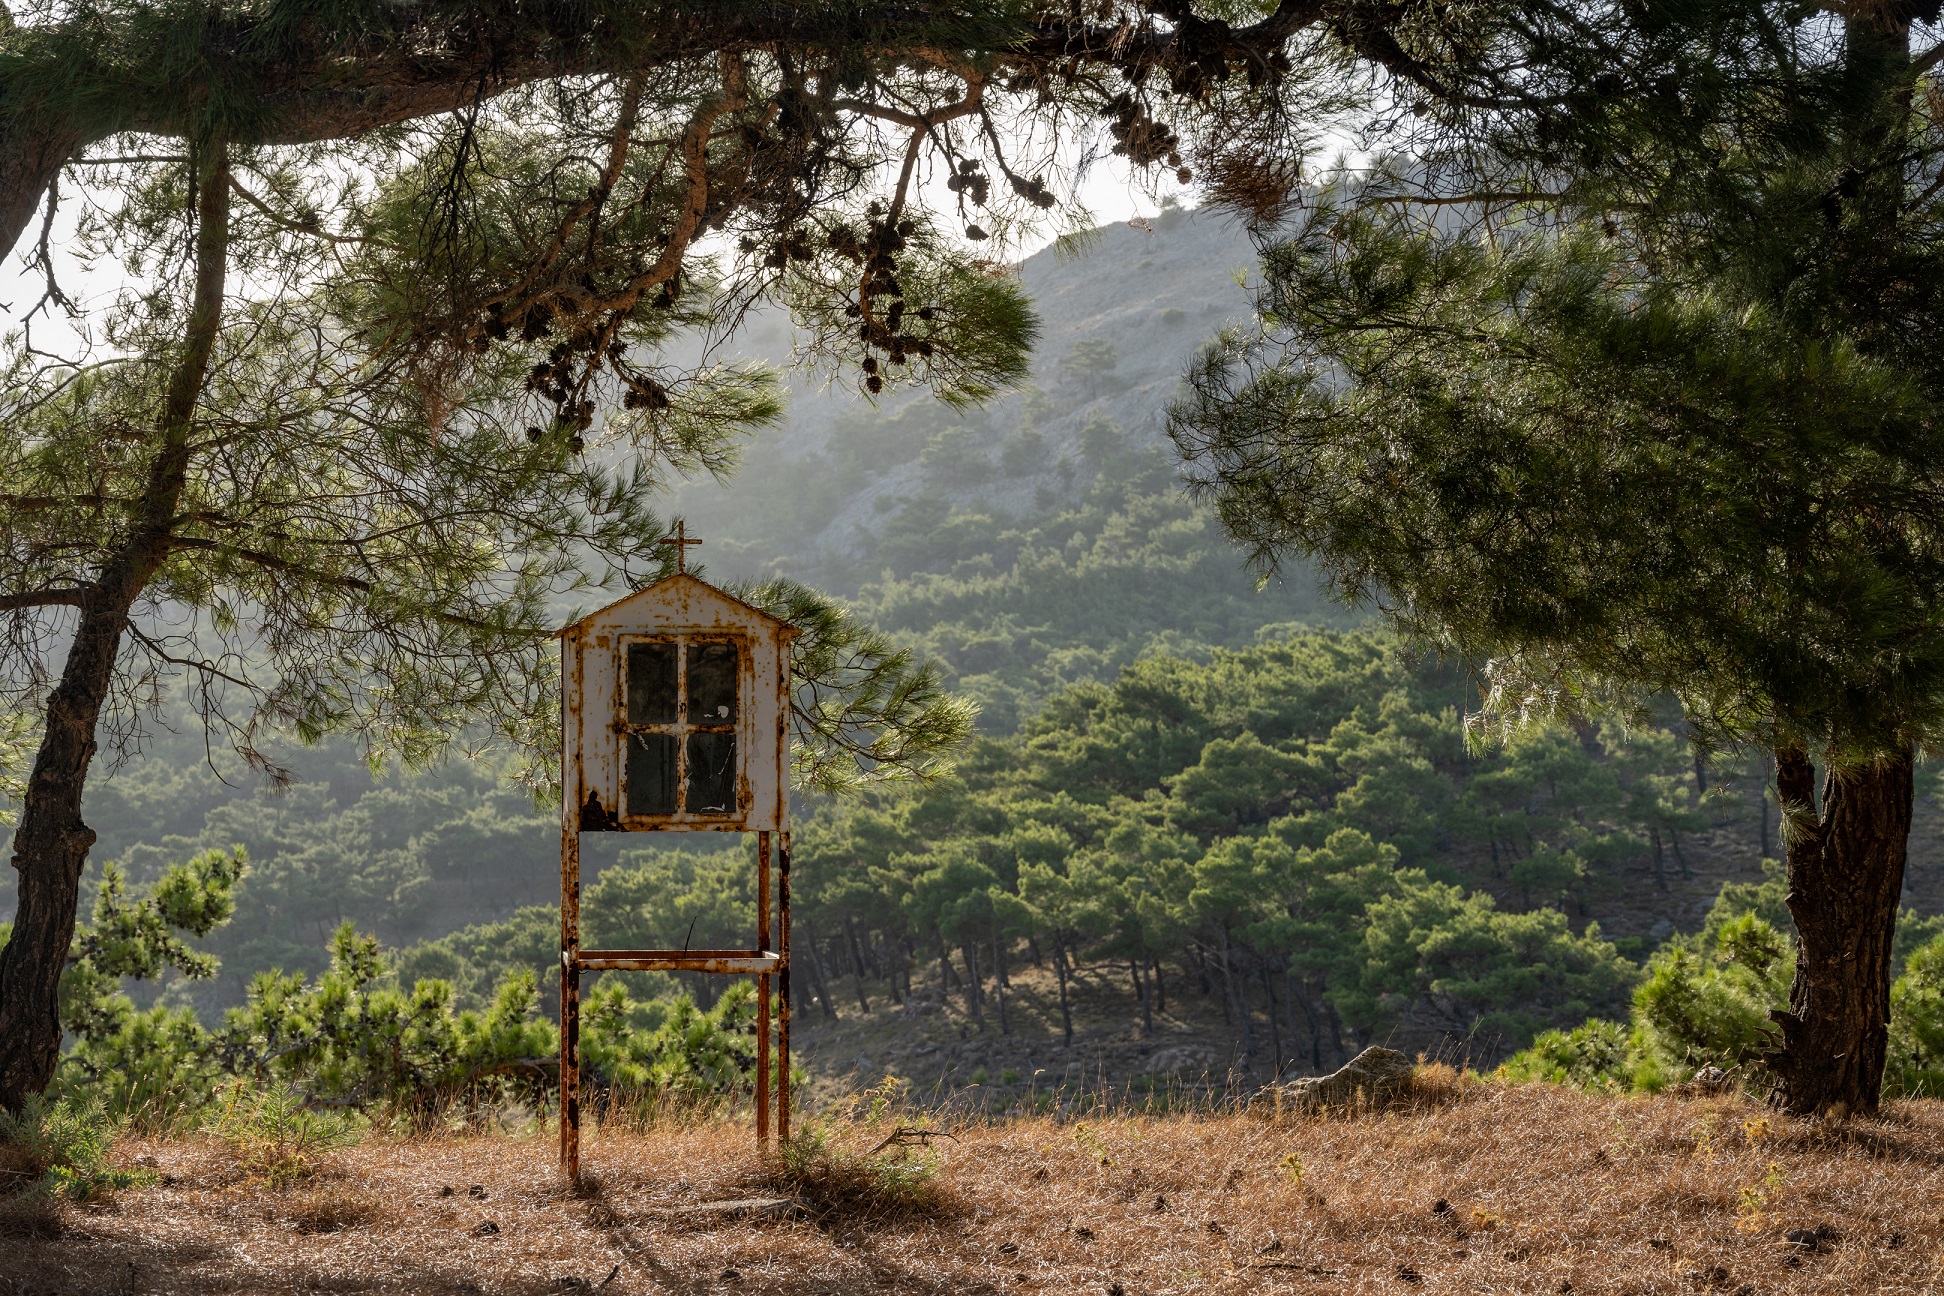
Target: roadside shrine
[[675, 710]]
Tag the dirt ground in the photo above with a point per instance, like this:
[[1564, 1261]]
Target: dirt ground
[[1510, 1190]]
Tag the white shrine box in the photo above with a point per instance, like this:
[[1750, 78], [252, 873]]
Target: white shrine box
[[675, 706]]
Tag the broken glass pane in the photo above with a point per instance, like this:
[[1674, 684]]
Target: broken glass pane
[[652, 686], [712, 773], [651, 773], [712, 683]]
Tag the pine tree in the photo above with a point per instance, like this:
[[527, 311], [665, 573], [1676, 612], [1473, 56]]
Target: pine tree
[[1626, 384]]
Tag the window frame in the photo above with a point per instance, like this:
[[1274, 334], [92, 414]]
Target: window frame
[[682, 727]]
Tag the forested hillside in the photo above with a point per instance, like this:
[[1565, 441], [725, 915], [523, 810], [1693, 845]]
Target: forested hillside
[[1193, 801], [1034, 544]]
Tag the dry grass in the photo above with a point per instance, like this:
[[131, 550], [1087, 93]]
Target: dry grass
[[1523, 1190]]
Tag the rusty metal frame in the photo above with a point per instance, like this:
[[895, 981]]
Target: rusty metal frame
[[762, 962]]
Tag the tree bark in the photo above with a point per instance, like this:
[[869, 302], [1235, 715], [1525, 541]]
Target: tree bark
[[1060, 970], [974, 985], [1000, 984], [857, 963], [1275, 1030], [1846, 871], [52, 841]]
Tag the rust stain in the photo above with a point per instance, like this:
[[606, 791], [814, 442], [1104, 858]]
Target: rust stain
[[595, 817]]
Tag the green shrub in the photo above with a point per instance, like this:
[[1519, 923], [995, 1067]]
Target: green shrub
[[1598, 1055], [275, 1136], [1711, 1007], [669, 1046], [1916, 1063], [66, 1144], [356, 1040]]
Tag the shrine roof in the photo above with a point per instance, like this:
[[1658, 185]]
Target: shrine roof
[[685, 596]]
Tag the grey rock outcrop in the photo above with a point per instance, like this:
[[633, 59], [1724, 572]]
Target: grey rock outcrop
[[1373, 1078]]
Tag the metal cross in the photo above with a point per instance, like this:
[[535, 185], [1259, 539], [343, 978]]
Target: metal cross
[[680, 540]]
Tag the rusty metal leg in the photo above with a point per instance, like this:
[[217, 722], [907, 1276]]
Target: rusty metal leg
[[762, 991], [783, 987], [570, 1002]]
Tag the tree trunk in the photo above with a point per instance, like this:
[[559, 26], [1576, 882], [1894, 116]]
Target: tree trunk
[[1241, 1006], [1160, 990], [1846, 870], [974, 990], [817, 972], [857, 963], [1336, 1032], [999, 983], [1141, 994], [1060, 969], [51, 843], [945, 976], [1292, 990], [1275, 1030], [1761, 803]]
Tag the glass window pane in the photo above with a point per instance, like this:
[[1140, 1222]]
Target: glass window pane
[[651, 774], [712, 683], [651, 683], [712, 773]]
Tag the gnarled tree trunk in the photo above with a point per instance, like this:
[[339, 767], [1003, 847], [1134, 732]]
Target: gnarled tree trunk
[[1846, 871], [50, 849], [51, 844]]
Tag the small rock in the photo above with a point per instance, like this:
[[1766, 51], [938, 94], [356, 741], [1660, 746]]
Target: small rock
[[1803, 1239], [445, 1190], [1407, 1274], [1660, 1244], [731, 1275], [1215, 1227], [1442, 1209], [1160, 1202], [1083, 1233], [477, 1192], [486, 1229], [1009, 1248], [1712, 1079], [1115, 1289], [1273, 1246]]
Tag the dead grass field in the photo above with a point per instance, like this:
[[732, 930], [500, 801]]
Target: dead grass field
[[1516, 1190]]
